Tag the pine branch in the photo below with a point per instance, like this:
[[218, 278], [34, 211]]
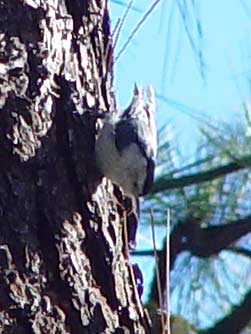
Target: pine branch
[[235, 321], [166, 183]]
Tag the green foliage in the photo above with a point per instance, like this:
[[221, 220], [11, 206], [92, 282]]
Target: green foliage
[[221, 198], [203, 290]]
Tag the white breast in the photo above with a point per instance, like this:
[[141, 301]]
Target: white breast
[[126, 169]]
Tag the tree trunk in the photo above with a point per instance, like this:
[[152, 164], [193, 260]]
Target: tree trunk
[[64, 264]]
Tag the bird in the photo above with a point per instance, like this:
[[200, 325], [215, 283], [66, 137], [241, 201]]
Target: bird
[[126, 146]]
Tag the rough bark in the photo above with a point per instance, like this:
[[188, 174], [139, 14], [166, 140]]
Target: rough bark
[[63, 260]]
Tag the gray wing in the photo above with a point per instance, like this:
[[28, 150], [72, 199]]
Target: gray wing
[[130, 131]]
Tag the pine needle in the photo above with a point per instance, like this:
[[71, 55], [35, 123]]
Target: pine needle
[[136, 29]]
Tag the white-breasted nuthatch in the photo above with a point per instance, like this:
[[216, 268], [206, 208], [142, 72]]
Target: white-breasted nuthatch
[[127, 145]]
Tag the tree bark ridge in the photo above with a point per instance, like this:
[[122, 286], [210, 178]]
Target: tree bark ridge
[[63, 267]]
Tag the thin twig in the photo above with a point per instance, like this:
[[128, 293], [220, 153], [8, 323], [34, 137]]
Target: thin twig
[[136, 29], [126, 235], [167, 272], [131, 272], [197, 50], [122, 23], [116, 33], [116, 27], [157, 274]]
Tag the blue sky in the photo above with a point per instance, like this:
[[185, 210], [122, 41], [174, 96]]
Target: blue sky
[[161, 54]]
